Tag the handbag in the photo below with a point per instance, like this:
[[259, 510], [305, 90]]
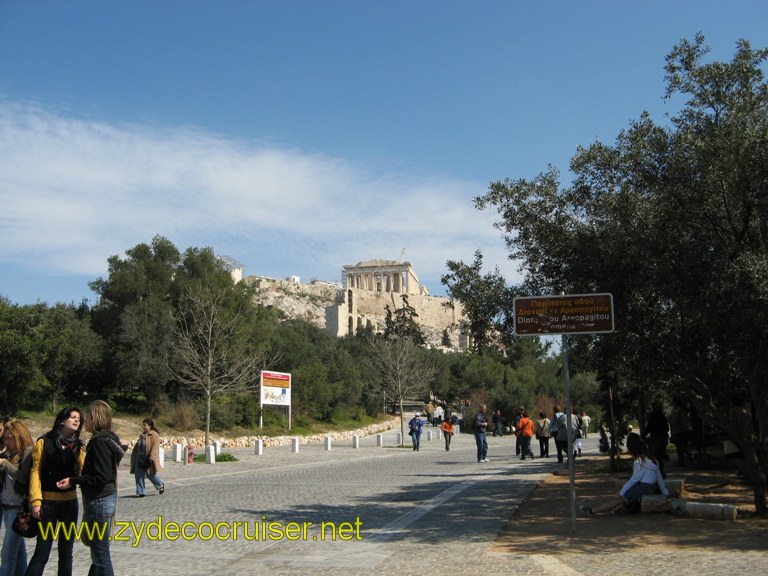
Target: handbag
[[25, 524]]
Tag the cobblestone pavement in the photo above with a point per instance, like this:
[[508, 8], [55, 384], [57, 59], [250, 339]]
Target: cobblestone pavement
[[397, 512]]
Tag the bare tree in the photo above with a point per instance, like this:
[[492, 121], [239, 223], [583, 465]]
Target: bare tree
[[403, 371], [211, 354]]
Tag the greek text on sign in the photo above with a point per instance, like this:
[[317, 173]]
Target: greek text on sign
[[567, 314]]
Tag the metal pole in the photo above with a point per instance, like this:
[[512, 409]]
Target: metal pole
[[569, 446]]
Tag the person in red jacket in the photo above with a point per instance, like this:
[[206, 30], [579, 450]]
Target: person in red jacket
[[525, 428]]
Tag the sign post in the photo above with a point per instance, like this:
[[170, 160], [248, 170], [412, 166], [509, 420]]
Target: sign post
[[565, 314], [275, 388]]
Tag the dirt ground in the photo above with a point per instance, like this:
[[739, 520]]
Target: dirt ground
[[543, 520]]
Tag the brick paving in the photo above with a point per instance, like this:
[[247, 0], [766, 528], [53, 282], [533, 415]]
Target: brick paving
[[418, 512]]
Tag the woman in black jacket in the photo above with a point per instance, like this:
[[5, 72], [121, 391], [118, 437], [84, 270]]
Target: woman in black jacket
[[98, 483]]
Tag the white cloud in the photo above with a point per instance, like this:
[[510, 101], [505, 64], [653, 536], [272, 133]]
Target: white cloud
[[75, 191]]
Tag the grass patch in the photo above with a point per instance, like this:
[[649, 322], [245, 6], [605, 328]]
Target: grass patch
[[223, 457]]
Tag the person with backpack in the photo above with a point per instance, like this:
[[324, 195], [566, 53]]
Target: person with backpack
[[57, 454], [98, 484], [414, 430], [14, 478]]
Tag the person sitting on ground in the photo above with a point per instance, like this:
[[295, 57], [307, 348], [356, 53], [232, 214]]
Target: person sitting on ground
[[646, 479]]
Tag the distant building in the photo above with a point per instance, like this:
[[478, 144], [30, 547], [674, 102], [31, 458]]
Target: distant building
[[383, 276]]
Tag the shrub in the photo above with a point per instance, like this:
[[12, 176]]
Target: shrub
[[182, 415]]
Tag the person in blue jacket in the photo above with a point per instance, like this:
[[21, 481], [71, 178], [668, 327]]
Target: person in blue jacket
[[414, 430]]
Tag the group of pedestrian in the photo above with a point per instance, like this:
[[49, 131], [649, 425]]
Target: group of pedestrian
[[40, 478], [525, 428]]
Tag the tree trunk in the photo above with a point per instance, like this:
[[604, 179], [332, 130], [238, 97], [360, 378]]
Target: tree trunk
[[207, 419], [402, 423]]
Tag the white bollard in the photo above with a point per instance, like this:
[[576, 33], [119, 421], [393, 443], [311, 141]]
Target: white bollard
[[210, 455], [217, 447], [429, 435], [439, 434], [355, 441], [161, 455], [379, 440], [177, 453], [327, 442], [399, 438], [295, 445], [258, 447]]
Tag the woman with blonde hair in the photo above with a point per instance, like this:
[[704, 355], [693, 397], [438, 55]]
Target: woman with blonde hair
[[14, 473], [98, 484], [145, 458]]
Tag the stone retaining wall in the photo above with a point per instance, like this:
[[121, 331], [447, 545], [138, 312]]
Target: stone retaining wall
[[249, 441]]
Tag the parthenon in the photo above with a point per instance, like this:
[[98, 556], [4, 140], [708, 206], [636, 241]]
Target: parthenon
[[383, 276]]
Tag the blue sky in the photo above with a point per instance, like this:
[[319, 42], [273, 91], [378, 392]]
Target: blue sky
[[300, 136]]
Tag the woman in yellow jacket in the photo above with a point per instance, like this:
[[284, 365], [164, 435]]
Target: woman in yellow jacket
[[58, 454]]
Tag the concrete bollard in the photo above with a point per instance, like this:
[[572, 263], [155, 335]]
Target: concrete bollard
[[379, 440], [327, 442], [258, 447], [161, 457], [706, 510], [217, 447], [177, 453], [210, 455], [399, 438], [295, 445], [429, 435], [439, 434], [355, 441]]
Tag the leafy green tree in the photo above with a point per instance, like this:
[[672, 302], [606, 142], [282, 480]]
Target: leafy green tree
[[145, 340], [135, 315], [19, 367], [672, 220], [482, 298], [401, 323]]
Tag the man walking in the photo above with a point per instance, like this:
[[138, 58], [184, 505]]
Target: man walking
[[480, 426]]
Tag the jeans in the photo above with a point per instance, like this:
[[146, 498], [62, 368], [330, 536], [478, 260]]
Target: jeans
[[54, 512], [482, 445], [544, 446], [100, 511], [525, 447], [139, 474], [562, 448], [14, 554], [416, 438]]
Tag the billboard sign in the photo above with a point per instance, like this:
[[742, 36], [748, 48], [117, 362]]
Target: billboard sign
[[275, 388]]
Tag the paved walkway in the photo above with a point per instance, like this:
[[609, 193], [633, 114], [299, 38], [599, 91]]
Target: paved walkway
[[400, 512]]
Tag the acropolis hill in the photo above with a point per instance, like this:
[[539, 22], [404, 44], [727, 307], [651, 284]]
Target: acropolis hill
[[367, 287]]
